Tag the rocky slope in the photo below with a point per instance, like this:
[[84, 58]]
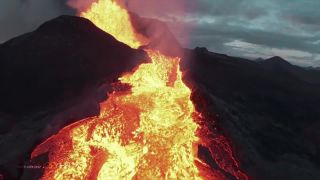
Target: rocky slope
[[51, 77], [270, 114], [57, 61]]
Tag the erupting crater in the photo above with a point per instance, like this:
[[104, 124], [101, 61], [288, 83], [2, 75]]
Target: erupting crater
[[147, 131]]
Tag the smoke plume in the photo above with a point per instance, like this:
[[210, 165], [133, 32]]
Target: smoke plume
[[168, 11]]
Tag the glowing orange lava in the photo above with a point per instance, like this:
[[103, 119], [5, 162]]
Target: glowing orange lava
[[144, 133], [115, 20]]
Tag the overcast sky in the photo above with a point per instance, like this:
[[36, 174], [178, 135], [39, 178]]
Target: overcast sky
[[246, 28]]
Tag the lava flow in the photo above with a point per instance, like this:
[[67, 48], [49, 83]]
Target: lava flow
[[146, 132]]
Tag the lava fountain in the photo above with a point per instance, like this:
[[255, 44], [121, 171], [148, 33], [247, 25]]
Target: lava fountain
[[145, 132]]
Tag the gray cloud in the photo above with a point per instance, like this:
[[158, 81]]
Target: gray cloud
[[229, 8], [282, 25], [257, 36], [285, 26]]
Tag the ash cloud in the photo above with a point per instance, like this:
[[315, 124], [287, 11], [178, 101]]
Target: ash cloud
[[167, 11], [79, 5], [160, 36]]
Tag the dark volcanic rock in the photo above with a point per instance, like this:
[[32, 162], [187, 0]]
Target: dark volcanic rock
[[269, 112], [58, 61], [50, 78], [282, 66]]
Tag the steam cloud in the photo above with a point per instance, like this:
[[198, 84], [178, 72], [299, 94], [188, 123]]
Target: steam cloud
[[167, 11], [80, 5]]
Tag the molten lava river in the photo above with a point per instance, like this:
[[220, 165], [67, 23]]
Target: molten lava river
[[147, 132]]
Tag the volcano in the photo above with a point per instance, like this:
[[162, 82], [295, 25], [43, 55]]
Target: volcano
[[247, 118], [147, 131]]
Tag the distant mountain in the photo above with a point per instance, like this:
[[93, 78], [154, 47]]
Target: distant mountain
[[276, 60], [259, 59], [285, 68]]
